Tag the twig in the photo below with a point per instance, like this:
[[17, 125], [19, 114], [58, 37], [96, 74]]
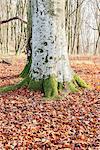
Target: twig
[[76, 9], [90, 26]]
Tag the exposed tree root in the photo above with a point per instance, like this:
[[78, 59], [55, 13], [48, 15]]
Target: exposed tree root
[[72, 87], [80, 82], [36, 85], [77, 83], [5, 62], [49, 86], [26, 69], [23, 83]]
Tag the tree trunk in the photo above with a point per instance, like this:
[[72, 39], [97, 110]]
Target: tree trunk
[[50, 64], [49, 47], [26, 69]]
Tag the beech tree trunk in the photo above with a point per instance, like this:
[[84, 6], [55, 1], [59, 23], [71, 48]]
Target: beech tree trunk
[[50, 62], [49, 46], [50, 68]]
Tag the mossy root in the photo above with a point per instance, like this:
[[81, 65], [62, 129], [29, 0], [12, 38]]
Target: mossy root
[[60, 86], [15, 87], [72, 87], [36, 85], [81, 82], [50, 87], [26, 70]]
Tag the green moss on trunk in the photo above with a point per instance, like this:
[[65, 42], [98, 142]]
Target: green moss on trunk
[[50, 87], [36, 85], [26, 69]]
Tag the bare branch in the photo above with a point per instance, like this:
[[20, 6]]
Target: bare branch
[[97, 5], [90, 26], [76, 9], [13, 18]]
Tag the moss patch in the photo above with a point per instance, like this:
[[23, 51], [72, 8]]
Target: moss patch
[[36, 85], [26, 70], [60, 86], [50, 87], [23, 83], [81, 82], [71, 86]]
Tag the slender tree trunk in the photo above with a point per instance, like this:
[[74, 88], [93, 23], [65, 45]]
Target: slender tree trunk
[[78, 30], [29, 32], [75, 28], [26, 69], [98, 41]]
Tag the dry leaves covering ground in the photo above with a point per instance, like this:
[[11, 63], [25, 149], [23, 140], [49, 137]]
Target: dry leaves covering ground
[[27, 122]]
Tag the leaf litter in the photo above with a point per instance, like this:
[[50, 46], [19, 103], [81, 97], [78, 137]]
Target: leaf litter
[[29, 123]]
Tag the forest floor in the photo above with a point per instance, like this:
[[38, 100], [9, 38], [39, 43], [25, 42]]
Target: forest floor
[[27, 122]]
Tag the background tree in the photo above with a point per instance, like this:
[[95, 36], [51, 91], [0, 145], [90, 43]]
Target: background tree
[[13, 33], [26, 69]]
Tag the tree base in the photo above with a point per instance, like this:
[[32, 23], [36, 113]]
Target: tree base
[[26, 70], [49, 86]]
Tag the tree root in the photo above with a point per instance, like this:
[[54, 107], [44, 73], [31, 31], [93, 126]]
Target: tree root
[[22, 83], [72, 87], [26, 70], [81, 82], [36, 85], [49, 86], [77, 83]]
